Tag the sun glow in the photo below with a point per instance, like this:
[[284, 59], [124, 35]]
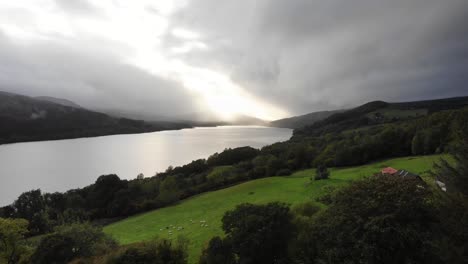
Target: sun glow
[[222, 95]]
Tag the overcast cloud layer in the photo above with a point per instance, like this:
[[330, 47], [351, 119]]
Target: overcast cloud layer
[[264, 58]]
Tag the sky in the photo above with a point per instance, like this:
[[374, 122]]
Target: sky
[[267, 59]]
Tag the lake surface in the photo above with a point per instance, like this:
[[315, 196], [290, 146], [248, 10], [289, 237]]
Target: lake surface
[[65, 164]]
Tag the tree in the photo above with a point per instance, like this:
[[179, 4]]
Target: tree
[[417, 144], [103, 192], [154, 252], [377, 220], [218, 251], [31, 206], [321, 173], [12, 232], [455, 175], [259, 233], [232, 156], [454, 206], [69, 242], [169, 190]]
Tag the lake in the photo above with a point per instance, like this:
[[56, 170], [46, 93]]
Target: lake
[[61, 165]]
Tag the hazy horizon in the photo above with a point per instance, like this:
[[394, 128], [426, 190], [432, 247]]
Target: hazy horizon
[[266, 59]]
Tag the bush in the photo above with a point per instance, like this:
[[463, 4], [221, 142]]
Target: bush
[[217, 251], [12, 248], [306, 209], [322, 173], [377, 220], [154, 252], [67, 243], [259, 233], [329, 193], [284, 172]]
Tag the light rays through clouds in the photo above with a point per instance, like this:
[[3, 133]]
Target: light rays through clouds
[[134, 33]]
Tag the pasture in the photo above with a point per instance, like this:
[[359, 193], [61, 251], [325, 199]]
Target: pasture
[[199, 218]]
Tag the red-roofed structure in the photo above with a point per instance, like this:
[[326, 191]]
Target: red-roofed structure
[[389, 171]]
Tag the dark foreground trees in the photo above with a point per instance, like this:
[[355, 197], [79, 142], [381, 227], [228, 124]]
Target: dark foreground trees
[[455, 174], [322, 173], [378, 220], [382, 219], [454, 203], [70, 242], [254, 234], [12, 232], [154, 252], [218, 251]]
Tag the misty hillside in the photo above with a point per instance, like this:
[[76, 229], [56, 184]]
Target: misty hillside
[[211, 119], [380, 112], [302, 120], [24, 118], [59, 101]]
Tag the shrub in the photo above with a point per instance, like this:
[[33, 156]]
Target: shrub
[[306, 209], [217, 251], [377, 220], [12, 232], [67, 243], [259, 233], [160, 251], [322, 173], [284, 172]]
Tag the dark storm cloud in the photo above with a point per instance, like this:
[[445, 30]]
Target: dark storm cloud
[[295, 55], [308, 55], [94, 78]]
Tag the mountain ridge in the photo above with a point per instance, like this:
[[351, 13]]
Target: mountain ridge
[[302, 120], [25, 118]]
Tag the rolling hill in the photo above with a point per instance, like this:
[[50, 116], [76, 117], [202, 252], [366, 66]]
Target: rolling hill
[[24, 118], [373, 113], [380, 112], [210, 207], [302, 120], [59, 101]]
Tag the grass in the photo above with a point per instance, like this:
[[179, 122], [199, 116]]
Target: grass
[[210, 207]]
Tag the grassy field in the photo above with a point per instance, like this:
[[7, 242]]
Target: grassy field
[[210, 207]]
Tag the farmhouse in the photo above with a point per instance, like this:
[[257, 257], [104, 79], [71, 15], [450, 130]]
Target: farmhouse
[[389, 171]]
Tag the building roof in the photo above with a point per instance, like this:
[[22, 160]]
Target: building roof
[[406, 174], [389, 170]]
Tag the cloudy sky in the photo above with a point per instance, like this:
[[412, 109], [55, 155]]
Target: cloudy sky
[[264, 58]]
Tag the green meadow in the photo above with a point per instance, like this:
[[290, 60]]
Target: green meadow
[[199, 218]]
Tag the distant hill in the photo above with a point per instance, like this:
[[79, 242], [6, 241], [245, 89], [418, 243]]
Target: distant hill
[[149, 117], [209, 118], [247, 120], [25, 118], [302, 120], [59, 101], [380, 112], [196, 119]]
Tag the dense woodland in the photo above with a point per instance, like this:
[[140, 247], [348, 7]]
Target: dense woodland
[[362, 223]]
